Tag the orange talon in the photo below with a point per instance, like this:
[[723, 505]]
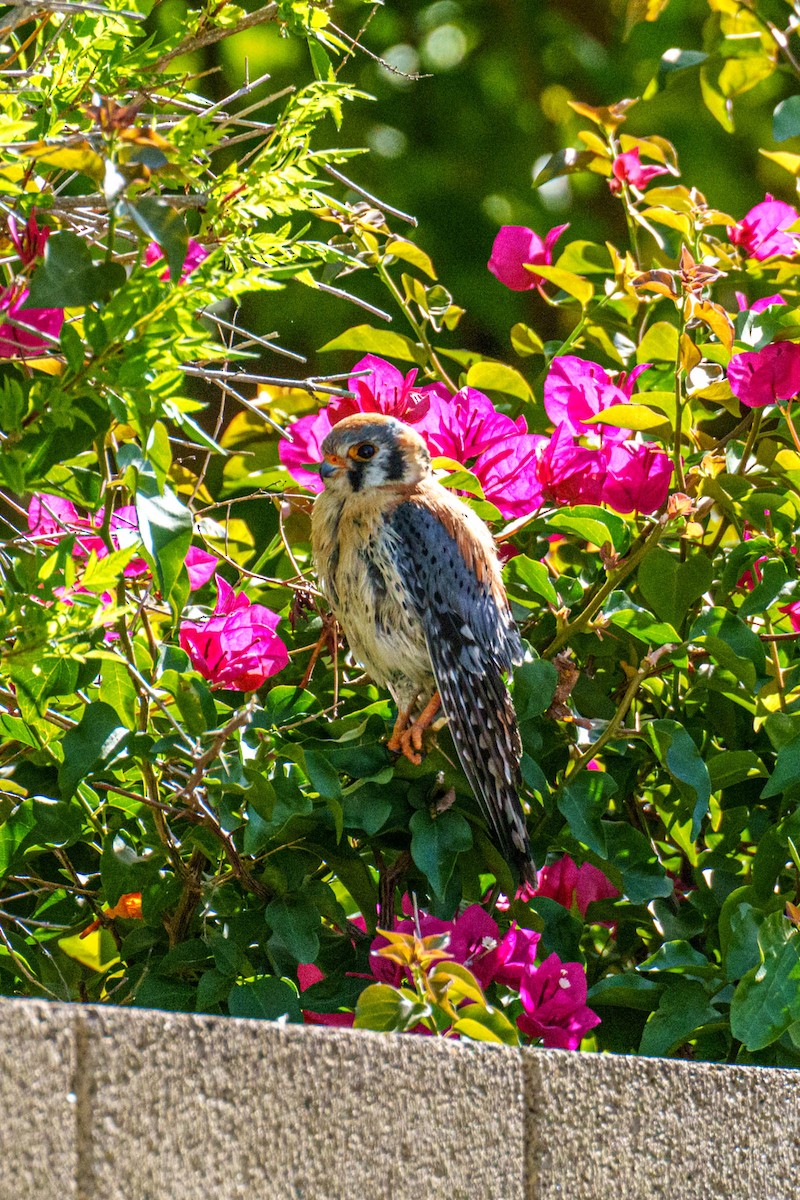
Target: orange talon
[[408, 741]]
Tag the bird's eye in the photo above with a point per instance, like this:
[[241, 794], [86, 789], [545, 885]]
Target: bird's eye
[[364, 452]]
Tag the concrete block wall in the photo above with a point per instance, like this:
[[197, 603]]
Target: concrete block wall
[[127, 1104]]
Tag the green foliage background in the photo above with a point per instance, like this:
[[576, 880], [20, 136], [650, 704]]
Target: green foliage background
[[256, 828]]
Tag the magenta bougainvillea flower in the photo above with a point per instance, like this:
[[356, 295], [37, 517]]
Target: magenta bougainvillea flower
[[507, 474], [568, 884], [21, 327], [638, 478], [195, 254], [236, 648], [303, 454], [761, 233], [29, 239], [757, 306], [514, 247], [761, 377], [554, 998], [568, 472], [384, 390], [628, 168], [576, 390], [200, 567], [465, 425]]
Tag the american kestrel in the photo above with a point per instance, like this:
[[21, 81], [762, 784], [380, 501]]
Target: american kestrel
[[412, 576]]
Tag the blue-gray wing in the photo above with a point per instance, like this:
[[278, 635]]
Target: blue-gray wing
[[472, 641]]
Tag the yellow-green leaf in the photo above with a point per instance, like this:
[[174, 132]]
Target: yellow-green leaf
[[573, 285], [497, 377], [629, 416], [69, 158], [402, 248]]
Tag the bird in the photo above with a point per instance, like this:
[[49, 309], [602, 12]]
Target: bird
[[412, 575]]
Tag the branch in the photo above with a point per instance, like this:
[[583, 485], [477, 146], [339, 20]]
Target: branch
[[209, 36]]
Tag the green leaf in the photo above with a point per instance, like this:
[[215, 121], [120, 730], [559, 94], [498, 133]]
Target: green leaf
[[166, 527], [670, 586], [786, 119], [573, 285], [630, 416], [118, 691], [630, 852], [491, 376], [165, 994], [679, 957], [787, 770], [322, 776], [677, 752], [583, 803], [590, 522], [740, 919], [534, 686], [671, 61], [525, 341], [684, 1008], [409, 252], [732, 644], [659, 344], [91, 745], [767, 1000], [265, 999], [626, 990], [436, 843], [564, 162], [164, 225], [561, 930], [366, 340], [67, 278], [527, 575], [483, 1023], [734, 766], [389, 1010], [297, 923]]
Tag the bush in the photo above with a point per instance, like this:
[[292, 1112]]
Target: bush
[[198, 808]]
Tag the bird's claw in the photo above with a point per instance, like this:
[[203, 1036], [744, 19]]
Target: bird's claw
[[408, 743]]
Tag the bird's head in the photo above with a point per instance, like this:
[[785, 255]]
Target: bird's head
[[370, 450]]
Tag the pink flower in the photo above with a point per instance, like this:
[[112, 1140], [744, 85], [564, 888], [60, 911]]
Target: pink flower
[[236, 648], [569, 473], [51, 517], [17, 342], [516, 245], [305, 448], [554, 998], [195, 254], [761, 377], [758, 305], [567, 883], [200, 566], [465, 425], [792, 611], [576, 390], [307, 974], [384, 390], [29, 240], [507, 474], [514, 955], [761, 232], [627, 168], [638, 478]]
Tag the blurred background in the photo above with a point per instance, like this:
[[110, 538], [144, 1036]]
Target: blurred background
[[475, 102]]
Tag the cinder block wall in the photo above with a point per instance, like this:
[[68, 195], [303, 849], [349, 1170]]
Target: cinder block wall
[[125, 1104]]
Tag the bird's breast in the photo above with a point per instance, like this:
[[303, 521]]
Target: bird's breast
[[356, 565]]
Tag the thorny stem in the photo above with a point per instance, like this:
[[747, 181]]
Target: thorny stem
[[677, 458]]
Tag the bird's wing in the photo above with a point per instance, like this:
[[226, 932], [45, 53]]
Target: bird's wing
[[453, 582]]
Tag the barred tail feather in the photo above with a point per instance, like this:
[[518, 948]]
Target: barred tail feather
[[484, 728]]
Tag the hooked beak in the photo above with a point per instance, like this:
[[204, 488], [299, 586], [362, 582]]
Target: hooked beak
[[331, 465]]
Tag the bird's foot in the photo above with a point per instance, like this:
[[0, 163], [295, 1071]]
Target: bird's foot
[[407, 739]]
